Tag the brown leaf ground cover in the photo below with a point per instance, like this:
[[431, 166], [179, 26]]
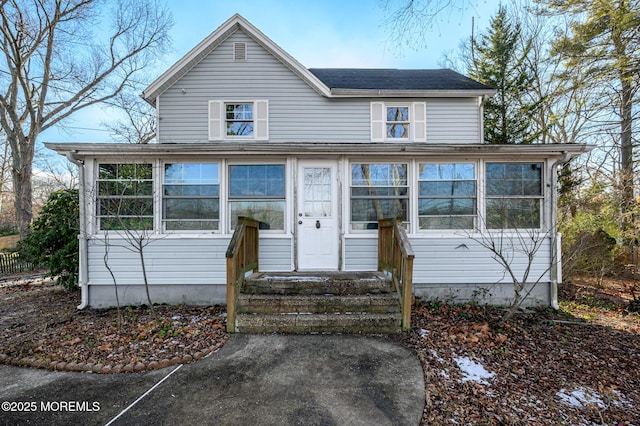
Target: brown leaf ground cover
[[40, 326], [577, 366]]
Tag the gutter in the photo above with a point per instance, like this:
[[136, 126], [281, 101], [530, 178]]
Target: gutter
[[82, 236], [556, 252]]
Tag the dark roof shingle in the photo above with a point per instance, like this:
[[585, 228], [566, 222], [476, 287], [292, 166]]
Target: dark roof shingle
[[395, 79]]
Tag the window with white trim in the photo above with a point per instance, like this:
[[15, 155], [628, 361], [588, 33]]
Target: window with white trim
[[257, 191], [378, 191], [398, 122], [125, 196], [447, 195], [191, 196], [238, 120], [513, 195]]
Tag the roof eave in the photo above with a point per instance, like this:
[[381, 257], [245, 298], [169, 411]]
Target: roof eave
[[227, 148], [376, 93]]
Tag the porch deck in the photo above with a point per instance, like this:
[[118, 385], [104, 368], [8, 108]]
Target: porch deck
[[318, 302]]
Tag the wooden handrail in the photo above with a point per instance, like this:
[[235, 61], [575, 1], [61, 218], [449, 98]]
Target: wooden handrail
[[242, 257], [395, 256]]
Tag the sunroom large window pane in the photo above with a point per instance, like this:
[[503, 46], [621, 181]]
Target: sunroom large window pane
[[514, 195], [258, 191], [191, 197], [125, 196], [446, 196], [378, 191]]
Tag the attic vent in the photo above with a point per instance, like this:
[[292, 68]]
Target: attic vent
[[239, 51]]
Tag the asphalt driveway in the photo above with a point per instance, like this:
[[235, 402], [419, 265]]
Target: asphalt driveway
[[253, 379]]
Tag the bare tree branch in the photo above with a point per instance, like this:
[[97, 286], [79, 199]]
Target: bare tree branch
[[59, 57]]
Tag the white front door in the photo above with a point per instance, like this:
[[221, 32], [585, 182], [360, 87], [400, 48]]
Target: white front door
[[317, 216]]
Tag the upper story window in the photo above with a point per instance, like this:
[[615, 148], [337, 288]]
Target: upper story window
[[125, 197], [239, 119], [191, 196], [446, 195], [513, 195], [230, 119], [398, 122]]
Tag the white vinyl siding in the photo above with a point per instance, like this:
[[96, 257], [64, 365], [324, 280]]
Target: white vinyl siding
[[179, 261], [296, 113], [168, 261], [180, 270], [451, 260], [453, 121]]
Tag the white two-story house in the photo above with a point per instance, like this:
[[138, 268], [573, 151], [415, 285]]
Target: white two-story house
[[318, 156]]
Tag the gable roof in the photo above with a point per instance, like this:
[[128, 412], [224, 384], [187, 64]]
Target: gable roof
[[213, 40], [329, 82]]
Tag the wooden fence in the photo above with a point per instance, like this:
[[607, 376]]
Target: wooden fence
[[10, 263]]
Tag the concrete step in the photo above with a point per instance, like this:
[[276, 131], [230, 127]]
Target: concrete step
[[316, 303], [317, 283], [366, 323]]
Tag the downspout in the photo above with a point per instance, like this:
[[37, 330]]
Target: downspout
[[82, 236], [556, 268]]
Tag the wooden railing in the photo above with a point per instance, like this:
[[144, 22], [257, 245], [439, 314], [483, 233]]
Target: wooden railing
[[395, 257], [242, 257]]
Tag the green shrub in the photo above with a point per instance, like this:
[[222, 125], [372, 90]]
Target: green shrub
[[53, 238]]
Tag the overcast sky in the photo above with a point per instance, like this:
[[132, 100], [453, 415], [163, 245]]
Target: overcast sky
[[318, 33]]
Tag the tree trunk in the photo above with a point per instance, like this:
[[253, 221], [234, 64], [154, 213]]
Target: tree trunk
[[21, 173], [626, 146]]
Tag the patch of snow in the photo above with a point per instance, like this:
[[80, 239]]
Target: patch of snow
[[583, 396], [473, 371], [423, 332], [580, 397], [436, 356]]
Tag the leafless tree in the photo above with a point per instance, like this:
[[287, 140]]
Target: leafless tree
[[59, 57], [139, 122], [508, 249], [410, 22]]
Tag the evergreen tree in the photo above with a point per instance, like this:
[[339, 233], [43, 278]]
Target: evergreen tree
[[499, 60]]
